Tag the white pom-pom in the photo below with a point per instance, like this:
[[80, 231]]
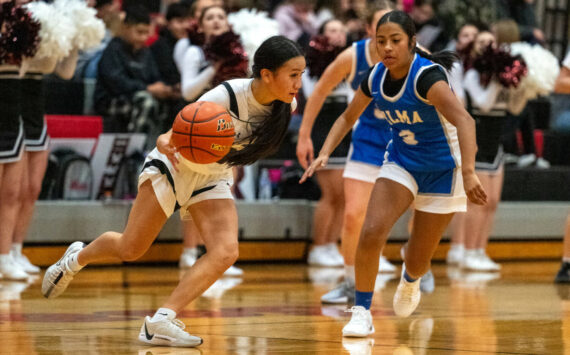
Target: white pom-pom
[[253, 27], [56, 33], [542, 67], [90, 30]]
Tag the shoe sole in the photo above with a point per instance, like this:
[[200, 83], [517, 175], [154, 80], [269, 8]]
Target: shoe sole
[[356, 335], [164, 342]]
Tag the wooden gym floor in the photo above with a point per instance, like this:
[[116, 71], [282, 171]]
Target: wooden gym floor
[[275, 309]]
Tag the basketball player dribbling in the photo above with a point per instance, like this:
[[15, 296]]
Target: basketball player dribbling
[[261, 108]]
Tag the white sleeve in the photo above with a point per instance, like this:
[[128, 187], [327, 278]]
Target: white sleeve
[[482, 98], [194, 81], [566, 62], [218, 95], [180, 49], [456, 81]]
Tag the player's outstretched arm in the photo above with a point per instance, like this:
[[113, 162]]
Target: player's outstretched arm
[[441, 96], [340, 128], [333, 75]]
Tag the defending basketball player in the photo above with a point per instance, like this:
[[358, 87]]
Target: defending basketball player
[[261, 109]]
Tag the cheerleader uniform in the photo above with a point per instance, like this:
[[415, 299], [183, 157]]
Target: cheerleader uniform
[[371, 133], [334, 106], [33, 109], [423, 154], [11, 126], [489, 107], [193, 182]]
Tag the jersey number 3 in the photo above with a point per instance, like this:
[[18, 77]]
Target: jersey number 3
[[408, 137]]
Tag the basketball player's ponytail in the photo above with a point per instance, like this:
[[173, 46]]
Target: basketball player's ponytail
[[268, 135], [443, 58]]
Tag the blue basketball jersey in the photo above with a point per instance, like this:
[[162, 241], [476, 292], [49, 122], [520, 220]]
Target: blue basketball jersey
[[422, 139], [372, 126]]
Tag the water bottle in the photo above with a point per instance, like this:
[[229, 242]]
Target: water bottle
[[264, 185]]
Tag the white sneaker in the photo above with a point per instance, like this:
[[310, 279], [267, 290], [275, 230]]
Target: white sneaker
[[342, 294], [455, 254], [427, 282], [542, 163], [360, 324], [59, 275], [233, 271], [487, 262], [320, 256], [334, 253], [407, 297], [385, 266], [11, 270], [475, 262], [526, 160], [188, 258], [167, 332], [23, 261]]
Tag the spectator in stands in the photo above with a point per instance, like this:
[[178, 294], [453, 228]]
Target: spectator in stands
[[178, 22], [431, 33], [129, 86], [297, 20], [562, 85], [506, 31], [110, 12]]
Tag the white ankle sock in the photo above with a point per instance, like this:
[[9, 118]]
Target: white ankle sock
[[16, 248], [566, 259], [163, 313], [73, 264], [349, 274]]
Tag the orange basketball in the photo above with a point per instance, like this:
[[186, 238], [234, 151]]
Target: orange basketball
[[203, 132]]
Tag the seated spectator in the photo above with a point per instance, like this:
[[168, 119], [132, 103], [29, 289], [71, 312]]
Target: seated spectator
[[109, 12], [177, 25], [562, 85], [297, 20], [128, 84], [430, 32]]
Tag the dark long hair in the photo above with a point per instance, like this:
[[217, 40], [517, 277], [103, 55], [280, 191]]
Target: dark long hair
[[444, 58], [268, 135]]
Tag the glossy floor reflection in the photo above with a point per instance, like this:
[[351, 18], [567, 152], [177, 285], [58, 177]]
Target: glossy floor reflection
[[276, 309]]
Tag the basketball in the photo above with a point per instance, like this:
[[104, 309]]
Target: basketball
[[203, 132]]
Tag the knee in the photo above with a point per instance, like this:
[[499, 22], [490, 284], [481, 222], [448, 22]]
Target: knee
[[226, 254], [352, 218], [130, 252], [11, 195], [371, 237]]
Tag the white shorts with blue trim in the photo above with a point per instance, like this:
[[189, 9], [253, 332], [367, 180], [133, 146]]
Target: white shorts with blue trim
[[428, 187], [361, 171], [183, 188]]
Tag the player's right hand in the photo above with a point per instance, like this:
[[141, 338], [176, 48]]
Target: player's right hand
[[165, 146], [317, 164], [305, 152]]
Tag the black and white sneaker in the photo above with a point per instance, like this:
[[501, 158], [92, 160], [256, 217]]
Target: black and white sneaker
[[167, 332], [342, 294], [59, 275], [563, 275]]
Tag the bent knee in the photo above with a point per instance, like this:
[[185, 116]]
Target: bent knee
[[226, 254]]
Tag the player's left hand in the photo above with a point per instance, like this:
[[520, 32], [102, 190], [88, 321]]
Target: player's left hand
[[165, 146], [473, 188], [316, 164]]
